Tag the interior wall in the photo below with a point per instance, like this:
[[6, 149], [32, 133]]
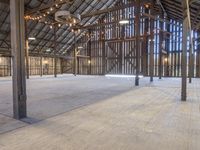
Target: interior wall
[[37, 66], [5, 65], [112, 47]]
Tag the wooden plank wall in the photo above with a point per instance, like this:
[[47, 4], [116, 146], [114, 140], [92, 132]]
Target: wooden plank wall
[[34, 66], [5, 65], [110, 48], [113, 46]]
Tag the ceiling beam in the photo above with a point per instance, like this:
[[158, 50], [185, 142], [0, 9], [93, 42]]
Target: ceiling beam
[[41, 8], [193, 1], [45, 7], [103, 11], [5, 1], [7, 52]]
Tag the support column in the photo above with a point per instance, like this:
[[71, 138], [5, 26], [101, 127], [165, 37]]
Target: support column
[[55, 58], [41, 67], [198, 56], [90, 53], [27, 51], [184, 49], [160, 71], [145, 45], [75, 61], [75, 55], [78, 62], [17, 44], [151, 71], [137, 44], [61, 65], [102, 38], [167, 47], [191, 61]]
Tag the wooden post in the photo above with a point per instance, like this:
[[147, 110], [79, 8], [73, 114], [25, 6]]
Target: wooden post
[[55, 58], [17, 45], [167, 46], [151, 70], [145, 45], [75, 55], [198, 56], [27, 59], [90, 53], [137, 44], [61, 65], [184, 50], [191, 60], [27, 51], [102, 38], [41, 67], [160, 71]]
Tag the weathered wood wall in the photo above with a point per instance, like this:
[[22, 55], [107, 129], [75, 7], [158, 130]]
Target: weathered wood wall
[[5, 66], [111, 47], [35, 67]]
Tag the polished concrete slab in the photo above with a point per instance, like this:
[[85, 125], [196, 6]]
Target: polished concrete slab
[[107, 114]]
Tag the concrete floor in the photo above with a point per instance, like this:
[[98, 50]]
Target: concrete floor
[[97, 113]]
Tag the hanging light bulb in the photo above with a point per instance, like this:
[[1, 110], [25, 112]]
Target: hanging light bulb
[[51, 26], [74, 21]]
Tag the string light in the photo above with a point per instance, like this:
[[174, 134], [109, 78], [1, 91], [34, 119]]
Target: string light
[[74, 21], [146, 6], [40, 17]]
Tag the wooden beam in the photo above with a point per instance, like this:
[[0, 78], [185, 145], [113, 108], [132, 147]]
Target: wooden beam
[[45, 6], [193, 1], [99, 12], [17, 44], [5, 1]]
